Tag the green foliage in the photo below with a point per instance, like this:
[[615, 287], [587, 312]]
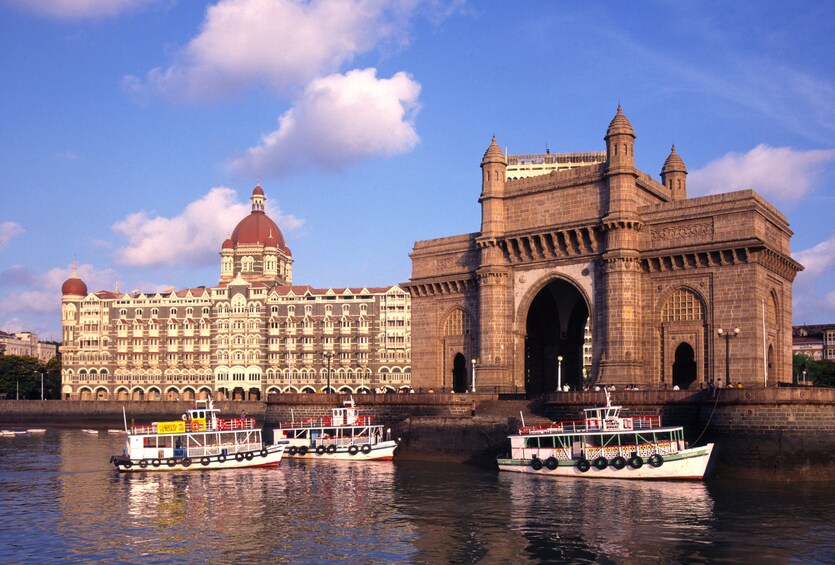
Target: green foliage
[[20, 377], [819, 373]]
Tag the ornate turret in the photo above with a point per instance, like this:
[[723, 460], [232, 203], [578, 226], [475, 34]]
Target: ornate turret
[[674, 175], [620, 142], [494, 168]]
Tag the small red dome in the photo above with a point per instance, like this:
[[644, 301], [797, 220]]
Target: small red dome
[[74, 286], [227, 244]]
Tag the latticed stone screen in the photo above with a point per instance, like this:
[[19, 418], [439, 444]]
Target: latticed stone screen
[[457, 323], [682, 306]]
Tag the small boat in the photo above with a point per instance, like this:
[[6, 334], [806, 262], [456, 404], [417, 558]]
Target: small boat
[[345, 434], [115, 431], [7, 433], [200, 440], [36, 431], [606, 445], [89, 431]]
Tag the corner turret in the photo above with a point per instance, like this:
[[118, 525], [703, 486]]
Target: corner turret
[[674, 175], [494, 169]]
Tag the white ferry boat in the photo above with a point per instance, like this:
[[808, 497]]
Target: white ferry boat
[[200, 440], [605, 445], [345, 434]]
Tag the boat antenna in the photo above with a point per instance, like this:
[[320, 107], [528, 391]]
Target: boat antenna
[[125, 418], [522, 417]]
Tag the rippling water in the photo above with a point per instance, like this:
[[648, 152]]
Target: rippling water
[[61, 501]]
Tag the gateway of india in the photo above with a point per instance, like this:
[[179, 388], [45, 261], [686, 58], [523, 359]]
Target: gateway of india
[[670, 291]]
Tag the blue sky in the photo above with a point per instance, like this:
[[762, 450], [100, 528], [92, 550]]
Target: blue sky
[[133, 131]]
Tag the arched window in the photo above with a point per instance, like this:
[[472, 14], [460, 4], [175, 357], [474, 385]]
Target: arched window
[[457, 323], [683, 305]]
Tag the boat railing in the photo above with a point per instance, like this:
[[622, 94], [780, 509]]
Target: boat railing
[[199, 425], [230, 424], [209, 450], [644, 450], [328, 422], [595, 425]]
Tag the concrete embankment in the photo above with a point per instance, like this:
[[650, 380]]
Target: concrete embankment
[[779, 434]]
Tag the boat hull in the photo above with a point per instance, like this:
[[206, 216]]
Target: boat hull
[[268, 456], [382, 451], [688, 464]]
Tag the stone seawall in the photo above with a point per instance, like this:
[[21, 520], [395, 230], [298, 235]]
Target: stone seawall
[[107, 413]]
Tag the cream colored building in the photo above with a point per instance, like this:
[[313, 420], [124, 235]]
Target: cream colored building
[[28, 344], [252, 334]]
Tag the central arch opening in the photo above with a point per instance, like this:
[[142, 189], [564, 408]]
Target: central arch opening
[[555, 328], [684, 367], [459, 374]]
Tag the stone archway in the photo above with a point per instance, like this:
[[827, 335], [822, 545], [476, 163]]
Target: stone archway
[[555, 327], [459, 373], [684, 366]]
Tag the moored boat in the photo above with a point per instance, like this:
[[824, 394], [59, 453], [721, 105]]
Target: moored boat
[[345, 434], [200, 440], [606, 445]]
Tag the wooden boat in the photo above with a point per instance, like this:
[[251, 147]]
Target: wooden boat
[[345, 434], [200, 440], [606, 445]]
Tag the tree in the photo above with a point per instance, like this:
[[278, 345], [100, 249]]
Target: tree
[[20, 377], [818, 373]]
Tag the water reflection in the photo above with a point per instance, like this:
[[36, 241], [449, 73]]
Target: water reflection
[[61, 502], [597, 521]]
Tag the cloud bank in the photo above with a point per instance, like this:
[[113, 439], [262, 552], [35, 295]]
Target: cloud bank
[[781, 174], [282, 44], [192, 238], [339, 120]]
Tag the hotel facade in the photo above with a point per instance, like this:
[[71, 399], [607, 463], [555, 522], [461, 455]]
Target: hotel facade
[[253, 334]]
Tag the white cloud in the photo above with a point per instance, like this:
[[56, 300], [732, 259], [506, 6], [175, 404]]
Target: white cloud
[[810, 284], [280, 43], [81, 9], [194, 237], [338, 120], [8, 231], [781, 174]]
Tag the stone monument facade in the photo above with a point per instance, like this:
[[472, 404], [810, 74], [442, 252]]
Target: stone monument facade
[[673, 291]]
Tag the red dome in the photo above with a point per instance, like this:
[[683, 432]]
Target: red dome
[[227, 244], [258, 228], [74, 286]]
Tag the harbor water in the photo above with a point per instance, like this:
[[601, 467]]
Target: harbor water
[[60, 501]]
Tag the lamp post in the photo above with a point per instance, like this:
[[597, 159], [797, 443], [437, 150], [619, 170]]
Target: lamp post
[[728, 335], [41, 374], [328, 356], [559, 373], [475, 362]]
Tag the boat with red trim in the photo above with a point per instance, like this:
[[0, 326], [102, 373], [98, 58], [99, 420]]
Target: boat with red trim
[[345, 434], [606, 445], [200, 440]]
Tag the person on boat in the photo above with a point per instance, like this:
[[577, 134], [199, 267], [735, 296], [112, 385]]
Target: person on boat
[[472, 409]]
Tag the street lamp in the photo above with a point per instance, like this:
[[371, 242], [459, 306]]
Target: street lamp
[[559, 373], [41, 374], [328, 356], [475, 361], [728, 335]]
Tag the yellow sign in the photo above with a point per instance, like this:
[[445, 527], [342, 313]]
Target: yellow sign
[[175, 427], [197, 424]]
